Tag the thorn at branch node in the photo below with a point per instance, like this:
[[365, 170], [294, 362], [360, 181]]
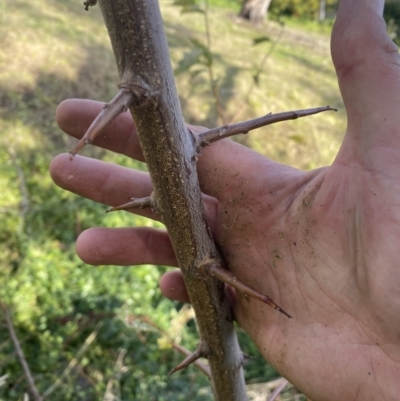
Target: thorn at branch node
[[215, 134], [110, 111], [136, 203], [202, 351], [228, 278]]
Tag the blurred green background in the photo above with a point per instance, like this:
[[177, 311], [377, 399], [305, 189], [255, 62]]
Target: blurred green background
[[106, 333]]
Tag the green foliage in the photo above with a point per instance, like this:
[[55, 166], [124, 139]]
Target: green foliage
[[189, 6], [261, 39], [199, 55], [307, 9], [392, 18]]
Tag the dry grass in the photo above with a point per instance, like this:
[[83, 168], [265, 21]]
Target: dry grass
[[53, 50], [298, 74]]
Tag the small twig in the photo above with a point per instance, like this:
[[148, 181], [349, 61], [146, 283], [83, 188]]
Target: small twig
[[200, 365], [201, 352], [228, 278], [3, 380], [211, 77], [111, 110], [278, 390], [267, 55], [215, 134], [73, 361], [135, 203], [116, 376], [21, 357], [24, 204]]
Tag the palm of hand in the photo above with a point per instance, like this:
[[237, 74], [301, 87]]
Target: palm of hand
[[322, 244]]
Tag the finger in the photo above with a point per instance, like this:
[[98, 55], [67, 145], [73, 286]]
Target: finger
[[125, 247], [229, 171], [74, 116], [173, 287], [220, 166], [368, 67], [102, 182], [111, 184]]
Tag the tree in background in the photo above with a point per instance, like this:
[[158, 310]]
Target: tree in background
[[255, 10], [322, 10]]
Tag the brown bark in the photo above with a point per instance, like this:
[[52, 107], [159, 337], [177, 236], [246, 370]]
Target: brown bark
[[136, 31], [255, 10]]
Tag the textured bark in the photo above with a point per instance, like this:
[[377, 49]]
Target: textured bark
[[255, 10], [136, 31]]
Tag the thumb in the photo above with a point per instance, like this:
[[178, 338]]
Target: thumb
[[367, 63], [366, 60]]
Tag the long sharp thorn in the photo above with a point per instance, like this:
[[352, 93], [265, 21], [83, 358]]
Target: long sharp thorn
[[187, 361], [135, 203], [228, 278], [215, 134], [118, 105]]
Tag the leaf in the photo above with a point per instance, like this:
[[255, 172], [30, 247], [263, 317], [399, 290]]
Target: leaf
[[261, 39], [195, 73], [199, 55], [205, 51], [189, 59], [256, 79], [188, 6], [164, 343], [198, 44], [298, 138], [192, 9], [185, 3]]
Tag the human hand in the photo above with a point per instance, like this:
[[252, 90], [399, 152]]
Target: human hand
[[322, 244]]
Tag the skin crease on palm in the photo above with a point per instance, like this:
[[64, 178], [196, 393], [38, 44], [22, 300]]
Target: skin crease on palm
[[323, 244]]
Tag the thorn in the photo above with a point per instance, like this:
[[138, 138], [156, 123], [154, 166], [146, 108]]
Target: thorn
[[215, 134], [78, 147], [112, 110], [273, 396], [228, 278], [246, 356], [135, 203], [202, 351]]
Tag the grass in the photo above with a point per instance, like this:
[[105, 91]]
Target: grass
[[298, 74], [55, 50]]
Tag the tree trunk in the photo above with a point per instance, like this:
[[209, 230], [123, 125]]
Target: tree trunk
[[322, 10], [140, 48], [255, 10]]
